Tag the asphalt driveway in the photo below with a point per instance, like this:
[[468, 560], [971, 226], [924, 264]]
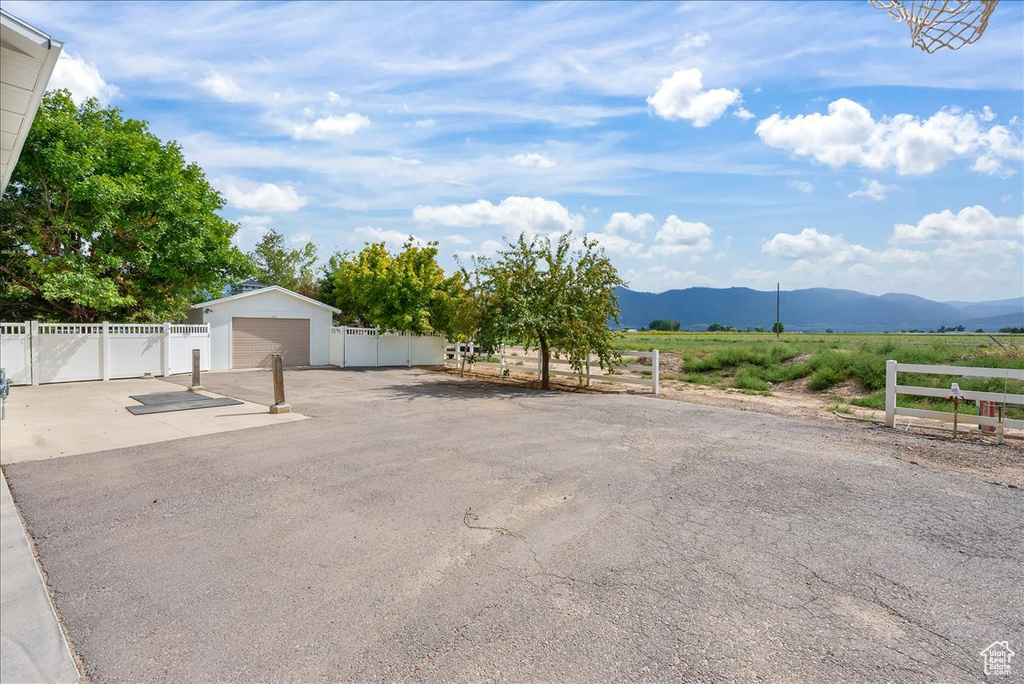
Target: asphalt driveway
[[423, 528]]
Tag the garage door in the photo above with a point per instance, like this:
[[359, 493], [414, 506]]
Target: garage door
[[253, 340]]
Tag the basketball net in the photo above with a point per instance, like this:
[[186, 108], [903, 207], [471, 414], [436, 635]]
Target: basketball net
[[938, 24]]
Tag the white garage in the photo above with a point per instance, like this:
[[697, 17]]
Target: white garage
[[248, 328]]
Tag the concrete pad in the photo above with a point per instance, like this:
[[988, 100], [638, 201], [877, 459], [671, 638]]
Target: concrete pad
[[32, 644], [49, 421]]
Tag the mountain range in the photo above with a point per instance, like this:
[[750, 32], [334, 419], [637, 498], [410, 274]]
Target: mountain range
[[814, 310]]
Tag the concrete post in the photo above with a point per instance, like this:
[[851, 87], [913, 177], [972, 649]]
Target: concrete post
[[105, 352], [34, 342], [197, 385], [890, 393], [279, 405], [655, 372]]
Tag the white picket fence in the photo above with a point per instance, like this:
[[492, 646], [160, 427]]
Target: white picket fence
[[36, 353], [368, 347], [893, 389], [517, 360]]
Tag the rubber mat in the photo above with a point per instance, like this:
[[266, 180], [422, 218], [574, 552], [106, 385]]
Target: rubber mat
[[164, 402]]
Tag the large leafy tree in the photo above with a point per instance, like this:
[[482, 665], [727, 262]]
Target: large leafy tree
[[549, 295], [103, 220], [408, 291], [276, 264]]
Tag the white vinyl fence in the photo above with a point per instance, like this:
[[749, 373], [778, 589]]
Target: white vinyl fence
[[368, 347], [893, 389], [515, 359], [39, 353]]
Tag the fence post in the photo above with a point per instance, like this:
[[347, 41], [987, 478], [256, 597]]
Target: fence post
[[408, 350], [890, 393], [105, 352], [34, 341], [279, 405], [27, 350], [165, 351], [344, 336], [588, 369], [655, 371]]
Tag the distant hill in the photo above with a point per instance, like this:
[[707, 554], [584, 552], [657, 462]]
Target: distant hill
[[814, 310]]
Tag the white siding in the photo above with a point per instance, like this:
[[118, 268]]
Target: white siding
[[267, 304]]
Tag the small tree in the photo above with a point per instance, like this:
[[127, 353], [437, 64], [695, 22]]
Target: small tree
[[293, 269], [408, 291], [778, 328], [666, 324], [546, 295]]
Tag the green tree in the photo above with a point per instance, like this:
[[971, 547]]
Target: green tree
[[102, 220], [408, 291], [546, 295], [665, 324], [293, 269], [778, 328]]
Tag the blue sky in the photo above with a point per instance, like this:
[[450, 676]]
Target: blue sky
[[713, 144]]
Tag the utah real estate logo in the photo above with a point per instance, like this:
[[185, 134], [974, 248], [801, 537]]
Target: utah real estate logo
[[997, 658]]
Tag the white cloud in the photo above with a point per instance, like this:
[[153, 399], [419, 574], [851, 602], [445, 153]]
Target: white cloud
[[809, 242], [873, 190], [677, 237], [334, 98], [81, 78], [531, 215], [824, 250], [222, 86], [330, 127], [682, 96], [623, 222], [267, 197], [250, 230], [802, 186], [743, 113], [425, 123], [301, 238], [531, 160], [987, 114], [404, 160], [691, 41], [393, 238], [456, 239], [661, 278], [617, 244], [848, 134], [970, 224]]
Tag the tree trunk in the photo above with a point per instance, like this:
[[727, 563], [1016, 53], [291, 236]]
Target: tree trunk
[[545, 358]]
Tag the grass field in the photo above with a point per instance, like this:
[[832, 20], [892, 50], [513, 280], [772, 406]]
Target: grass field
[[757, 362]]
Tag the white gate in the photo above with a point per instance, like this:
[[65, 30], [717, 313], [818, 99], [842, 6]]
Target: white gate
[[40, 353]]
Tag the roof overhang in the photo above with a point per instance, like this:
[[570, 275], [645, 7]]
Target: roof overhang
[[27, 58], [262, 291]]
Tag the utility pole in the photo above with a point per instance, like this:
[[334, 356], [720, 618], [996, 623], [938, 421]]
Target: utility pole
[[778, 320]]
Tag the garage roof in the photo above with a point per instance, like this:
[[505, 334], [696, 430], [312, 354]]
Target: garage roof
[[27, 58], [263, 291]]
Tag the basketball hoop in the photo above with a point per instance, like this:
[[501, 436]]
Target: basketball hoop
[[938, 24]]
